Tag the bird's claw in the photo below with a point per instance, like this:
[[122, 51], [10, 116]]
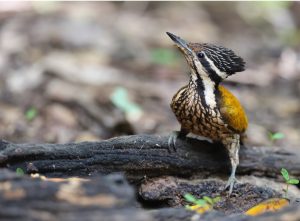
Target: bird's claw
[[172, 141], [230, 183]]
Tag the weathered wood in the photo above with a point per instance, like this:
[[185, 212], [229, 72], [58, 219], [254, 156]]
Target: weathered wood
[[143, 155], [107, 198], [25, 198]]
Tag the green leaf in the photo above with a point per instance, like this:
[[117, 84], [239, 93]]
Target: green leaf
[[208, 200], [120, 98], [285, 174], [19, 171], [270, 135], [293, 181], [273, 5], [277, 136], [163, 56], [187, 207], [200, 202], [190, 198], [31, 113], [216, 199]]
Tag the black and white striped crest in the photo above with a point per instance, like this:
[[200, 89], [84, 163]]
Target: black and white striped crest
[[224, 59]]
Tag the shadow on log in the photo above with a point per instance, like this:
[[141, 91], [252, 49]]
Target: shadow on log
[[143, 155]]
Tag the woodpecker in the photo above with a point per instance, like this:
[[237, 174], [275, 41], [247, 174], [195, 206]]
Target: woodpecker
[[206, 108]]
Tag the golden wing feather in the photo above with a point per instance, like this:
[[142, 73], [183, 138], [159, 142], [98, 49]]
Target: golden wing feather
[[231, 110]]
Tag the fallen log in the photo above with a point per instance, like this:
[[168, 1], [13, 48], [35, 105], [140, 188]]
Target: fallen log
[[107, 198], [143, 155], [25, 198]]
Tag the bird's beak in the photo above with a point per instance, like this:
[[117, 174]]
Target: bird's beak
[[180, 43]]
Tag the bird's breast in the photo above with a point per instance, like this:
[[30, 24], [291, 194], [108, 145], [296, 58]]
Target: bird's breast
[[193, 113]]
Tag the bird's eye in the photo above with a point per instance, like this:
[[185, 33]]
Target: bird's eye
[[200, 54]]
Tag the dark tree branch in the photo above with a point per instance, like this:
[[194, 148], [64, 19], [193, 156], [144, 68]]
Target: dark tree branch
[[143, 155]]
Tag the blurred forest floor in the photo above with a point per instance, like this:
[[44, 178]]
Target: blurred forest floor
[[90, 71]]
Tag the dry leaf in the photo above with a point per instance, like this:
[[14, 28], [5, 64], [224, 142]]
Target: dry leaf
[[269, 205], [200, 209]]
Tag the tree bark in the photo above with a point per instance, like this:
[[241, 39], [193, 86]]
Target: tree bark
[[144, 155], [107, 198], [25, 198]]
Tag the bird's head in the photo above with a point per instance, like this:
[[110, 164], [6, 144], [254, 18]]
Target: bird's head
[[208, 60]]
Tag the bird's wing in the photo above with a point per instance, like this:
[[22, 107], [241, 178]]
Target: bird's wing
[[231, 111]]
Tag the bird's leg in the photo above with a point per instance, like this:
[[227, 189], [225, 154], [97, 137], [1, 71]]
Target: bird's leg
[[233, 146], [173, 137], [172, 140]]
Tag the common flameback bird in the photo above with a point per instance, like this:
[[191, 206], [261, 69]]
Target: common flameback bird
[[204, 107]]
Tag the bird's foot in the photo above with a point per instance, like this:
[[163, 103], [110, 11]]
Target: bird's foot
[[172, 141], [230, 183]]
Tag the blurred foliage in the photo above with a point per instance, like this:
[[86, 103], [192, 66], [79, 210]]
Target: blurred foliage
[[201, 205], [120, 98], [288, 180], [275, 13], [258, 11], [164, 56], [31, 113], [285, 174], [52, 50], [44, 7], [273, 4], [20, 171], [292, 38], [275, 136]]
